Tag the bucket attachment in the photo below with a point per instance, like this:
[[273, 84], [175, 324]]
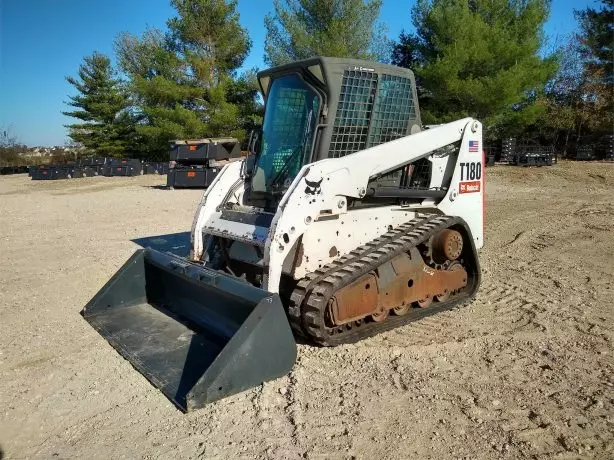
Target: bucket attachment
[[196, 334]]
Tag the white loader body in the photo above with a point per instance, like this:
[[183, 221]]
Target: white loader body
[[313, 225]]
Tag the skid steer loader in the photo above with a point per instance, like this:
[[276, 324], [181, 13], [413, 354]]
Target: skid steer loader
[[349, 219]]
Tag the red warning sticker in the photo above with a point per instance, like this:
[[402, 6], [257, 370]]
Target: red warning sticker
[[469, 187]]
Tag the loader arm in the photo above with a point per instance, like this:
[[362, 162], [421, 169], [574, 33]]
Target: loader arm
[[361, 166], [340, 178]]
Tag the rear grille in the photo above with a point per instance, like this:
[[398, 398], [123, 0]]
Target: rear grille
[[373, 108], [394, 107], [353, 117]]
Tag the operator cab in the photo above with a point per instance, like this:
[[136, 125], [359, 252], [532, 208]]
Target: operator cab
[[327, 108]]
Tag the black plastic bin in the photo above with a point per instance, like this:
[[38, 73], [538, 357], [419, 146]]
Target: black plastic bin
[[52, 172], [204, 151], [533, 156], [155, 168], [191, 177], [122, 167], [150, 168]]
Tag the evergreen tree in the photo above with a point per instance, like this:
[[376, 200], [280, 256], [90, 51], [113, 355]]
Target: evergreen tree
[[105, 128], [597, 48], [300, 29], [244, 94], [182, 79], [478, 58], [161, 92]]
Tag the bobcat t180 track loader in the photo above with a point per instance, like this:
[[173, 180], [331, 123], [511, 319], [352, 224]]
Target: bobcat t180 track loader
[[349, 219]]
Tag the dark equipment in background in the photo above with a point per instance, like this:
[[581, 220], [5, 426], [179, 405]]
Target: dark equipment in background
[[531, 155], [85, 167], [51, 172], [89, 167], [123, 167], [155, 168], [7, 170], [511, 151], [96, 166], [596, 148], [492, 152], [508, 146], [195, 163]]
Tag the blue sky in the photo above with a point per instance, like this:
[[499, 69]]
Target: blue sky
[[42, 41]]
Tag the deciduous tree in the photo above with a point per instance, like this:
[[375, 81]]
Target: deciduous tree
[[596, 46]]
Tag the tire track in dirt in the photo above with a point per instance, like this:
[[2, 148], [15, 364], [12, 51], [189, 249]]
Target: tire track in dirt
[[318, 385], [514, 310], [293, 408]]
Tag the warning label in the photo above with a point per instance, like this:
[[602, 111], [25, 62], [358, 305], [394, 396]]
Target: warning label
[[469, 187]]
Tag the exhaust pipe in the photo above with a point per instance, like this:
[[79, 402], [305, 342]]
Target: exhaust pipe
[[196, 334]]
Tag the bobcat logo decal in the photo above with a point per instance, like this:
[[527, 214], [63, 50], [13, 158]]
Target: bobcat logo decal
[[313, 188]]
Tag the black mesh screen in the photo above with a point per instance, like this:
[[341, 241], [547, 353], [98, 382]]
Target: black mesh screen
[[353, 113], [393, 109], [419, 174], [364, 118]]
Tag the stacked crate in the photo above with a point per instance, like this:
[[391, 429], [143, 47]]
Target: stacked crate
[[532, 155], [607, 144], [155, 168], [126, 167], [508, 147], [195, 163]]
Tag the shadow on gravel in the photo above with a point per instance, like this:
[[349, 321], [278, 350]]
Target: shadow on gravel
[[156, 187], [175, 243], [1, 453]]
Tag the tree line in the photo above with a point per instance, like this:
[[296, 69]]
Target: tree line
[[480, 58]]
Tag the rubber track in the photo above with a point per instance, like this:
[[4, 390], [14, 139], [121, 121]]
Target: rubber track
[[306, 284], [309, 299]]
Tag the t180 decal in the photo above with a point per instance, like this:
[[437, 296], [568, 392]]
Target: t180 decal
[[471, 171]]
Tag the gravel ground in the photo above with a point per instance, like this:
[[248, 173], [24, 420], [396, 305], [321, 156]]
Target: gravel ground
[[524, 371]]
